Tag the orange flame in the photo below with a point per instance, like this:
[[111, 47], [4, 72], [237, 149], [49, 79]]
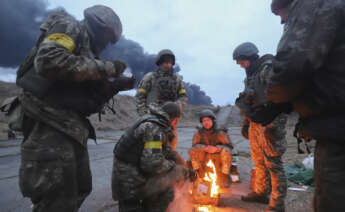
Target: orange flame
[[212, 177], [203, 209]]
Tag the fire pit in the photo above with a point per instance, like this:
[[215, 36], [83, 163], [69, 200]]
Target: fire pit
[[205, 191]]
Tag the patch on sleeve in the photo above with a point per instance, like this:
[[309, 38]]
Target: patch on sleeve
[[142, 90], [153, 145], [61, 39], [182, 91]]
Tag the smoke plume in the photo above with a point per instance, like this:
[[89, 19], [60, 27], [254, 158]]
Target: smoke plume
[[20, 21], [182, 200]]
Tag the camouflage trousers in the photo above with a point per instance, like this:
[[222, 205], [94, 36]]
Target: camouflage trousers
[[329, 172], [198, 158], [265, 165], [154, 193], [54, 171]]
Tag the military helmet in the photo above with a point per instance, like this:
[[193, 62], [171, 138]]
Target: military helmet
[[207, 113], [279, 4], [102, 19], [172, 109], [244, 51], [163, 54]]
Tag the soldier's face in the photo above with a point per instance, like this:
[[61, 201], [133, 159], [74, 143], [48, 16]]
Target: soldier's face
[[243, 63], [283, 13], [207, 122], [174, 122], [167, 65]]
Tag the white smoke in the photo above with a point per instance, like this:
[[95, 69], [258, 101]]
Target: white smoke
[[182, 198]]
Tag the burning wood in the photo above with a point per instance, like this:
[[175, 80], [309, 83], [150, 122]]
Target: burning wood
[[212, 178], [204, 209], [205, 191]]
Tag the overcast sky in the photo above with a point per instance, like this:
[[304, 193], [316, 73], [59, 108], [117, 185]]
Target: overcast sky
[[201, 33]]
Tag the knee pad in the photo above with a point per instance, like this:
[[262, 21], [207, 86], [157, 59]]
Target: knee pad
[[130, 205]]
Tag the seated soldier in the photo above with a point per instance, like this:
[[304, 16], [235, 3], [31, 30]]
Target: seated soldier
[[210, 140]]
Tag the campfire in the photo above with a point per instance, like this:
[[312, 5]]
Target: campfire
[[205, 191]]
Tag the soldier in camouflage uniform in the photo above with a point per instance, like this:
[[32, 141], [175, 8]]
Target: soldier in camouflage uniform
[[267, 143], [309, 72], [145, 168], [210, 140], [161, 86], [62, 67]]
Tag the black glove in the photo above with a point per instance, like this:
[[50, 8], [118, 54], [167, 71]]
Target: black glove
[[272, 135], [119, 66], [176, 157], [123, 83], [192, 175], [245, 129]]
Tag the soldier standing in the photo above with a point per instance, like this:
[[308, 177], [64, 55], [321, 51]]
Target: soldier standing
[[61, 68], [309, 72], [145, 168], [210, 140], [161, 86], [267, 143]]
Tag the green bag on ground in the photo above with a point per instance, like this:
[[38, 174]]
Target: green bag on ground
[[298, 174]]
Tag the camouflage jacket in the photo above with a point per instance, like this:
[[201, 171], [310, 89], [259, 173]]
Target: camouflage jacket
[[159, 87], [213, 137], [252, 96], [156, 141], [154, 157], [62, 55], [65, 53], [309, 65], [157, 167]]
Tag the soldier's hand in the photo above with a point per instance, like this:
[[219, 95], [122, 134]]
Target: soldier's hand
[[192, 175], [182, 173], [119, 67], [271, 134], [211, 149], [133, 80], [245, 131]]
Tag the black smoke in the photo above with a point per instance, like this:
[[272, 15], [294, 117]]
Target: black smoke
[[20, 21], [141, 63], [196, 95]]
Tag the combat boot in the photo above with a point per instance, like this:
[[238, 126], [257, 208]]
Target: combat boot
[[272, 209], [254, 197], [224, 180], [235, 176]]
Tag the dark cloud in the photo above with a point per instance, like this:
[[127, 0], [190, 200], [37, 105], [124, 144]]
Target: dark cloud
[[20, 21]]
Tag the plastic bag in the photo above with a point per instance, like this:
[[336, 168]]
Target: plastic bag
[[308, 162]]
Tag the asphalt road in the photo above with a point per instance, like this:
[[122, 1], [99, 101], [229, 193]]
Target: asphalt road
[[101, 157]]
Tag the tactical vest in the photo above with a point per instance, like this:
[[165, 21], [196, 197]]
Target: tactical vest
[[163, 89], [129, 148], [85, 98], [208, 138], [254, 92]]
